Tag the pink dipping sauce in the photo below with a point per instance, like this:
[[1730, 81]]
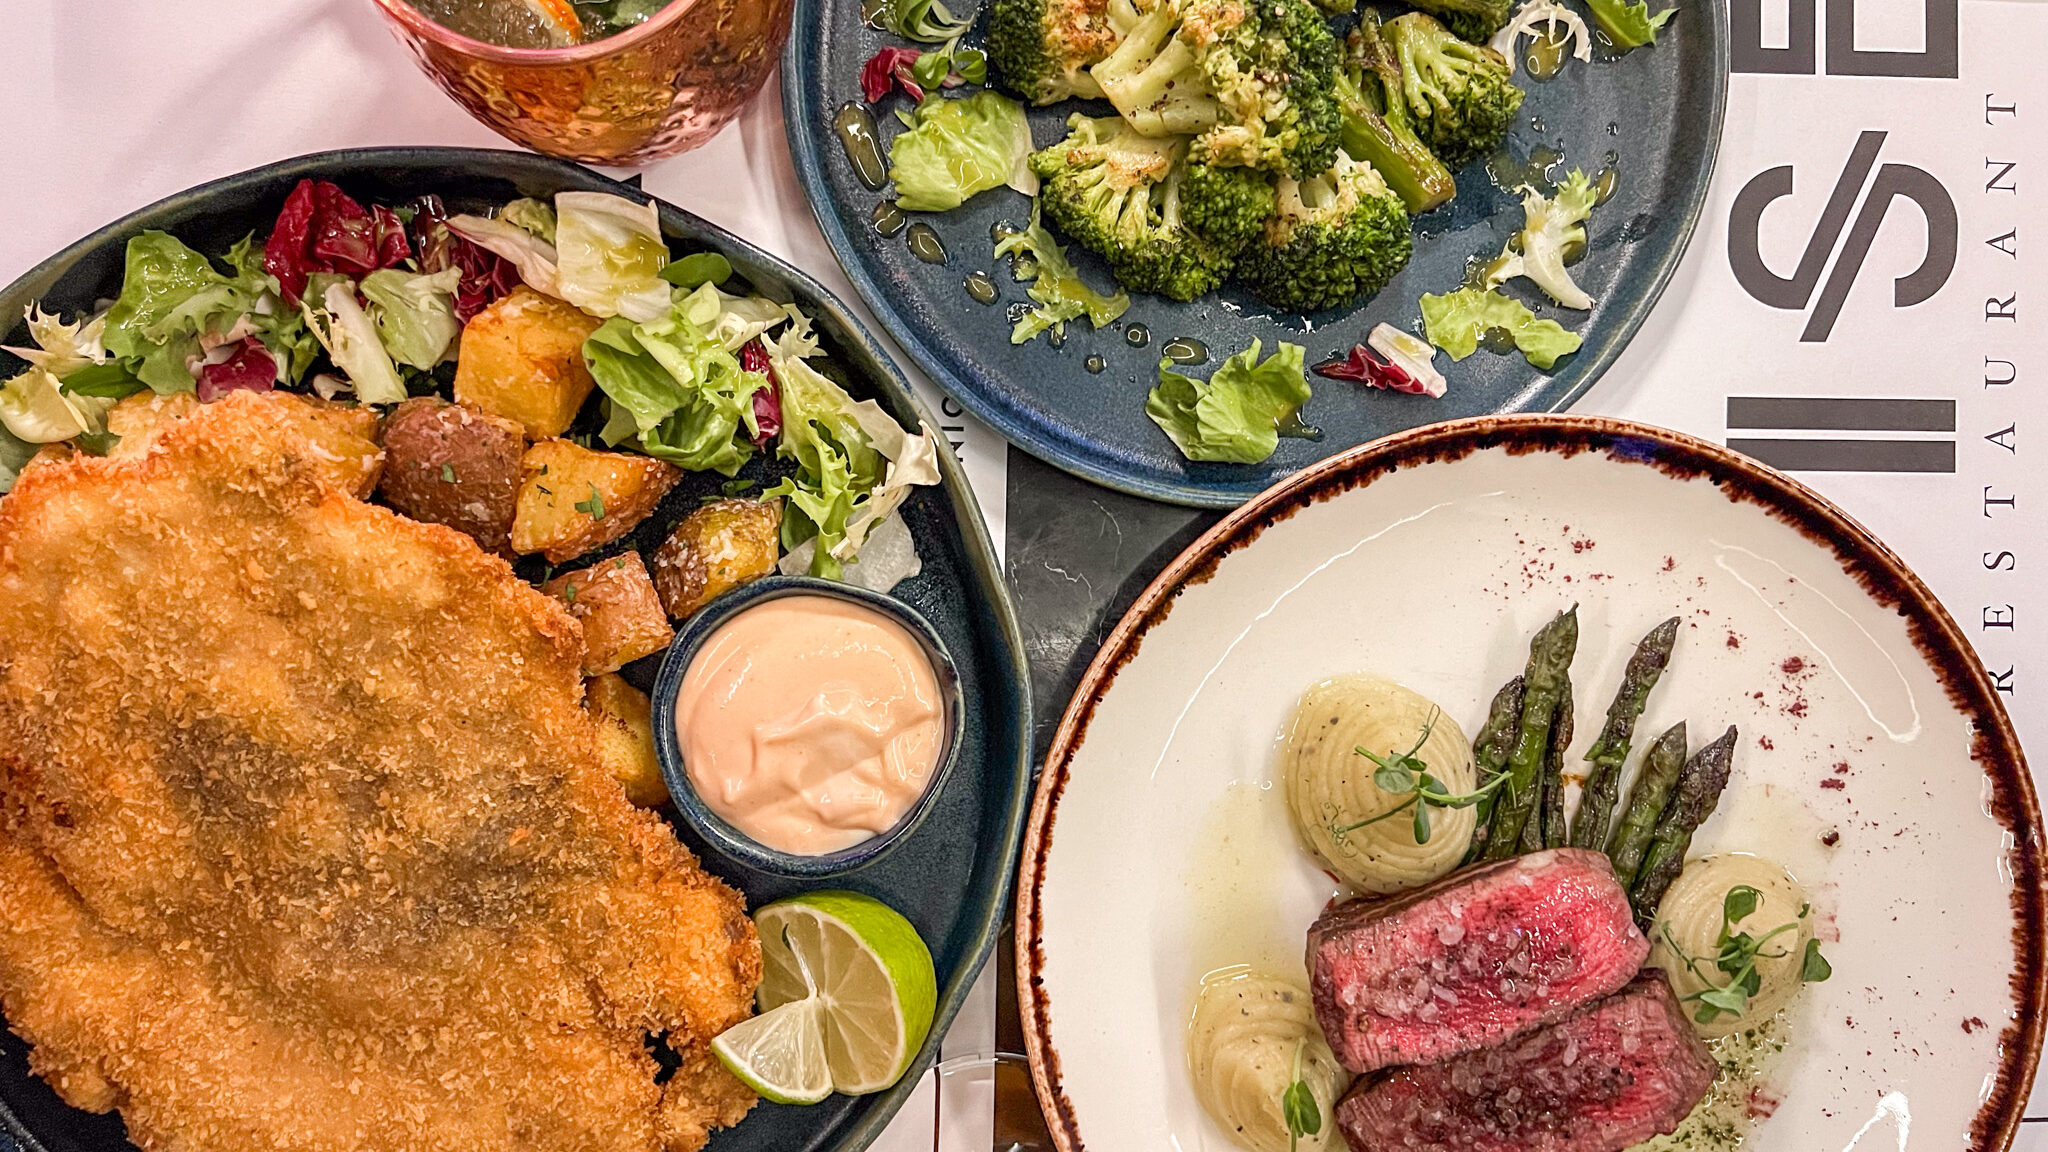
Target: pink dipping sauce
[[810, 723]]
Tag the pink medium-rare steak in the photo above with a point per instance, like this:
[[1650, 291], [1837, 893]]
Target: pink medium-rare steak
[[1482, 955], [1608, 1077]]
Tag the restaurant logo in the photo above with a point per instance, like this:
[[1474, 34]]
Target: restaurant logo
[[1935, 60], [1893, 182]]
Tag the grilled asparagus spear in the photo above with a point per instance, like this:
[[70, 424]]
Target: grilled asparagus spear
[[1699, 789], [1551, 809], [1490, 754], [1610, 751], [1550, 659], [1647, 799]]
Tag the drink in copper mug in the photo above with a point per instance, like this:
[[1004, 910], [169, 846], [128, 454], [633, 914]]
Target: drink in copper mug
[[602, 81]]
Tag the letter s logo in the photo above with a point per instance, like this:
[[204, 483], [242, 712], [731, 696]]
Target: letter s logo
[[1792, 292]]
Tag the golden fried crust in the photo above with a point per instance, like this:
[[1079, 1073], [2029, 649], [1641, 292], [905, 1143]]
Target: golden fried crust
[[304, 838]]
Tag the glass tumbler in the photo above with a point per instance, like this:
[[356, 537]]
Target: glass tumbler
[[659, 88]]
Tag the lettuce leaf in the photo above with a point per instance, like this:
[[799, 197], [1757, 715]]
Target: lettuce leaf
[[415, 314], [1552, 227], [609, 256], [1628, 25], [676, 389], [1455, 321], [351, 339], [169, 296], [15, 453], [535, 216], [855, 464], [958, 148], [63, 348], [730, 320], [1234, 416], [175, 306], [35, 408], [698, 268], [1056, 285], [535, 258]]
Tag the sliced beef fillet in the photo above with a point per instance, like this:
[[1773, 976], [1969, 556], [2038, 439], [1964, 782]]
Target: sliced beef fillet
[[1471, 960], [1610, 1076]]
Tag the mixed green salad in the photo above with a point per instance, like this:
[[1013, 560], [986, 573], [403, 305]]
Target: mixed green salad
[[1284, 145], [374, 305]]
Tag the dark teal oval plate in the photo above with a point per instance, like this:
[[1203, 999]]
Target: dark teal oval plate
[[951, 876], [1657, 110]]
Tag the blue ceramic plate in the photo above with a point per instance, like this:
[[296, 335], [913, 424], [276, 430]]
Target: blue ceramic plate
[[1654, 115], [951, 876]]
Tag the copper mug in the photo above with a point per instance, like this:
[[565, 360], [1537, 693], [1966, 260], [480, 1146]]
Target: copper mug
[[661, 87]]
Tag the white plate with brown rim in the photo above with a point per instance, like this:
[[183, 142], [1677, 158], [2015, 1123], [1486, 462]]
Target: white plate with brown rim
[[1875, 762]]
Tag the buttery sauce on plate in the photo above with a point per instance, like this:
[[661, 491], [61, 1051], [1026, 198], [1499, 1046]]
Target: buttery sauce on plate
[[810, 723]]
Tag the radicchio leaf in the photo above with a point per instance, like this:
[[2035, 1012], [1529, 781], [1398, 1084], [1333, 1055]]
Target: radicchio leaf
[[767, 401], [1365, 366], [888, 69], [322, 229], [251, 369], [486, 276]]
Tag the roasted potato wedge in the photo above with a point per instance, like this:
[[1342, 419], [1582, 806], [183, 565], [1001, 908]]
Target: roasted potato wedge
[[621, 615], [451, 464], [573, 499], [625, 737], [715, 549], [522, 358]]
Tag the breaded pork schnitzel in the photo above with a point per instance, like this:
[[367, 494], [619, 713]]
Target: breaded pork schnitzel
[[304, 838]]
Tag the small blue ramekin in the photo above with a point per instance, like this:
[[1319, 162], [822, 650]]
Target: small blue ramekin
[[729, 840]]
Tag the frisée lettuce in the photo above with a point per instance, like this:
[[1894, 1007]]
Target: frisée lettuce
[[675, 387], [854, 463], [415, 314]]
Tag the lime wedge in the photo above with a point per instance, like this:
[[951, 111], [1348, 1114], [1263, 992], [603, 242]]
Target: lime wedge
[[780, 1054], [867, 974]]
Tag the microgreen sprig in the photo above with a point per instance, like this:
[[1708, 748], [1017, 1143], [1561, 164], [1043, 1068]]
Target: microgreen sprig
[[929, 21], [1298, 1105], [1401, 774], [1735, 957], [939, 67]]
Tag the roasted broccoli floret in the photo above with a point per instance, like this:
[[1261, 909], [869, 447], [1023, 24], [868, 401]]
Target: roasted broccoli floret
[[1459, 94], [1226, 206], [1042, 49], [1339, 237], [1474, 20], [1252, 82], [1377, 127], [1123, 195], [1089, 178]]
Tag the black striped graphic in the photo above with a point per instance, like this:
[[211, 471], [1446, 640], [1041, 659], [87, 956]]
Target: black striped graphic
[[1844, 414]]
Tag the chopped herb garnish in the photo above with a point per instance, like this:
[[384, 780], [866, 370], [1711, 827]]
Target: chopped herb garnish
[[569, 592], [1401, 774], [447, 473], [1736, 955], [1814, 967], [1298, 1103], [736, 487], [593, 507]]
